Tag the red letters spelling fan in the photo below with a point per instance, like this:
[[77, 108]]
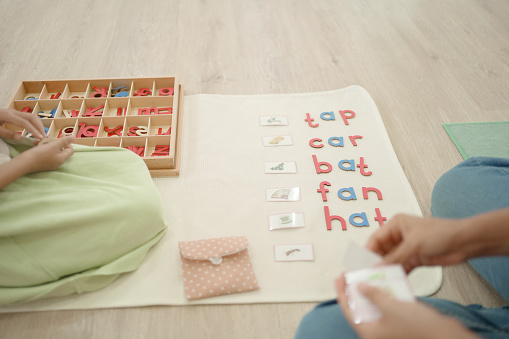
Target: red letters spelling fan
[[345, 193]]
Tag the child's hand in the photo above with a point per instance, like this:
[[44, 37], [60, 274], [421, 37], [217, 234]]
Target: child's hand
[[28, 121], [47, 157]]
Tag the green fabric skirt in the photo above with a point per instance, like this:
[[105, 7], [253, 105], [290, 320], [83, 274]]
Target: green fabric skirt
[[77, 229]]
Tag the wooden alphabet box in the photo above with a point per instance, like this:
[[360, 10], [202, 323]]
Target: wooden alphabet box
[[140, 114]]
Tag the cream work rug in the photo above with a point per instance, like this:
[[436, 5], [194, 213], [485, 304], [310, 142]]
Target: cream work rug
[[297, 163]]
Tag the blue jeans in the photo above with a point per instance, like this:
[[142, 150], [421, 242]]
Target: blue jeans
[[475, 186]]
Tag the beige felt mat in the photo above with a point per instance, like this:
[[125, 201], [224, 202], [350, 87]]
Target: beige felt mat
[[221, 191]]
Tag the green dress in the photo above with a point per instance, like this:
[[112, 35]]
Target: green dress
[[78, 228]]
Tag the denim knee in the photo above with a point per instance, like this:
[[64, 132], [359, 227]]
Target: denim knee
[[476, 185], [325, 321]]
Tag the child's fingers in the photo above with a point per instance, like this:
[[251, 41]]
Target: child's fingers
[[65, 141], [65, 154], [58, 144], [27, 121], [9, 134]]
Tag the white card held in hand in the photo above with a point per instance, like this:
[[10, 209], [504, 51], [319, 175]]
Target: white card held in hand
[[391, 279], [294, 252], [274, 120], [277, 140], [286, 220], [357, 257], [280, 167]]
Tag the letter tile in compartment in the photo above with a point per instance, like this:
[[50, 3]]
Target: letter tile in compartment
[[29, 90], [76, 89], [164, 87], [116, 107], [55, 90], [71, 108], [94, 108], [48, 109], [26, 106], [143, 88], [62, 127], [121, 88], [112, 127], [136, 126], [151, 106], [98, 89], [160, 125], [87, 128], [135, 144], [159, 152]]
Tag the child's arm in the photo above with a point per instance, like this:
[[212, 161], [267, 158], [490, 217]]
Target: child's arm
[[45, 157]]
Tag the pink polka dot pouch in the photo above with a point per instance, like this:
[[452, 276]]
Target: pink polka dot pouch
[[216, 266]]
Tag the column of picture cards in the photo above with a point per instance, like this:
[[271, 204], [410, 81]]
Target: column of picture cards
[[284, 252]]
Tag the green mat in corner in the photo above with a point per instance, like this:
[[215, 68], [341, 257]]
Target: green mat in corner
[[487, 139]]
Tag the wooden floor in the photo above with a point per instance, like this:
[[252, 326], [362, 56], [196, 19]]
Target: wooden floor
[[425, 63]]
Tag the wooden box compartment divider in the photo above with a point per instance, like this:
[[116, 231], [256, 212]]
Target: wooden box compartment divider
[[143, 115]]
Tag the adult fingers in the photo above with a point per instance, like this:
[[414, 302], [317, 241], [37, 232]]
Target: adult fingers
[[375, 295], [340, 285], [404, 254], [384, 240]]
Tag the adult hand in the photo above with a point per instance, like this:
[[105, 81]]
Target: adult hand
[[400, 319], [28, 121], [413, 241]]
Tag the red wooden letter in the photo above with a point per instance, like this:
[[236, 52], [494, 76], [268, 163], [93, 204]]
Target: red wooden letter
[[166, 91], [329, 218]]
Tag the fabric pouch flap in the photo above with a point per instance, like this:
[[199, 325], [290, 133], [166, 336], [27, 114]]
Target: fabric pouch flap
[[213, 249]]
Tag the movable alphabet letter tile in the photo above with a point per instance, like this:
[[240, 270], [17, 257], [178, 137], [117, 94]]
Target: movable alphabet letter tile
[[166, 91], [161, 150], [115, 131], [140, 150], [89, 131], [94, 111], [99, 93]]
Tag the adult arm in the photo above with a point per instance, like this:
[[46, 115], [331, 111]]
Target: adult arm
[[414, 241]]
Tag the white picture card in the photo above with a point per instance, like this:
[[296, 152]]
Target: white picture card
[[274, 120], [286, 220]]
